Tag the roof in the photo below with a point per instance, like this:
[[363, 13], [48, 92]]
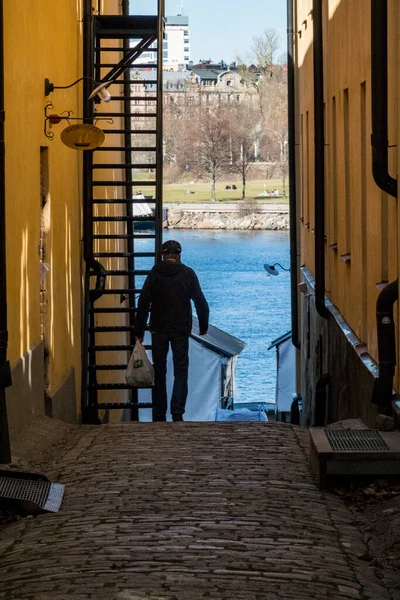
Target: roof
[[208, 73], [217, 340], [177, 20], [280, 340]]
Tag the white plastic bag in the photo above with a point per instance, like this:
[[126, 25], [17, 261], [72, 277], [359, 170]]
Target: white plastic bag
[[140, 371]]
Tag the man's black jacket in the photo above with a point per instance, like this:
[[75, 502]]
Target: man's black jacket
[[166, 294]]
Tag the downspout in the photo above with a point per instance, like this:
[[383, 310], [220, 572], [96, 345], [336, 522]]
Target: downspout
[[292, 177], [383, 388], [89, 413], [5, 373], [319, 160]]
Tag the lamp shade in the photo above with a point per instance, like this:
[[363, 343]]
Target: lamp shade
[[271, 269]]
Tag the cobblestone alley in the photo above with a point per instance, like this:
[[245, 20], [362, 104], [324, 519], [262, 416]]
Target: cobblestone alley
[[187, 511]]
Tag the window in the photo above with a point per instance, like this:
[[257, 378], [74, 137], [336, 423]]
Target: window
[[165, 45]]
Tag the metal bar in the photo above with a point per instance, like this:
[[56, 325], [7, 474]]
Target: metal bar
[[121, 237], [122, 405], [292, 178], [106, 49], [125, 166], [135, 65], [126, 113], [319, 160], [131, 148], [123, 254], [159, 127], [125, 183], [123, 201], [89, 398], [5, 378], [133, 131], [144, 98]]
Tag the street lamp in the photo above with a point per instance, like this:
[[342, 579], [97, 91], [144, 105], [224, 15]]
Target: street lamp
[[271, 269]]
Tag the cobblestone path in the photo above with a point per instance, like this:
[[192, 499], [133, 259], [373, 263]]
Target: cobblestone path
[[188, 511]]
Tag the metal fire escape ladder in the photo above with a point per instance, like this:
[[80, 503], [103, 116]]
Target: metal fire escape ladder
[[121, 243]]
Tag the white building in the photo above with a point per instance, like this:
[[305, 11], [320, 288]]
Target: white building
[[176, 44]]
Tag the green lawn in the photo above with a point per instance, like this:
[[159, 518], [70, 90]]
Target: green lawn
[[202, 192]]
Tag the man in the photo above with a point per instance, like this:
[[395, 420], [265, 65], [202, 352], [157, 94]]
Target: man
[[166, 294]]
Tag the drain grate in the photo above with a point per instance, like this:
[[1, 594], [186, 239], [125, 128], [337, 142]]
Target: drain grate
[[44, 494], [360, 440]]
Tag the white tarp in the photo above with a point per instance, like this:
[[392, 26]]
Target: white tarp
[[142, 210], [204, 384], [286, 375]]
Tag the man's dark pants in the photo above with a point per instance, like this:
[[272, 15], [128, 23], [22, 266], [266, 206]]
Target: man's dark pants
[[180, 355]]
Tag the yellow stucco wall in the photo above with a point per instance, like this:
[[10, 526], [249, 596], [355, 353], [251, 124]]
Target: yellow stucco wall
[[361, 221], [44, 40]]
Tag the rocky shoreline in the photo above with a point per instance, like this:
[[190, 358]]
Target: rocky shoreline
[[187, 219]]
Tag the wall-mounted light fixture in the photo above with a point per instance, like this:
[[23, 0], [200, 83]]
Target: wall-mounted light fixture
[[271, 269], [100, 90]]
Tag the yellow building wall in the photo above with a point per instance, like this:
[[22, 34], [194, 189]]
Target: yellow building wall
[[43, 40], [361, 221], [40, 42]]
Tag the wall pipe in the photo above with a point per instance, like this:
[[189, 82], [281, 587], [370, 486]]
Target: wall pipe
[[379, 97], [5, 372], [383, 387], [292, 177], [319, 160]]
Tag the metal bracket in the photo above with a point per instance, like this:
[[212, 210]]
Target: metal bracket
[[54, 119]]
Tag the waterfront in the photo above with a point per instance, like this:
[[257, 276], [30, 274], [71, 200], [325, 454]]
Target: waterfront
[[243, 300]]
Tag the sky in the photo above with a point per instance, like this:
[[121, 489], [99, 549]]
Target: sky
[[223, 29]]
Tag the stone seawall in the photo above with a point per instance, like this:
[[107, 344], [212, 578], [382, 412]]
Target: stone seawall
[[190, 219]]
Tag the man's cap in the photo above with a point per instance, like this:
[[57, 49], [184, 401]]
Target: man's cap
[[171, 247]]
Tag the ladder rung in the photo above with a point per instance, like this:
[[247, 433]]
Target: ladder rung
[[110, 329], [107, 367], [111, 348], [124, 254], [126, 166], [123, 219], [132, 131], [124, 201], [114, 49], [126, 148], [110, 311], [134, 66], [125, 183], [146, 236], [120, 273], [110, 386], [117, 291], [126, 114], [122, 405], [123, 98]]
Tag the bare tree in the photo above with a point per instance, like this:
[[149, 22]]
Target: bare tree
[[244, 132], [264, 48], [210, 151]]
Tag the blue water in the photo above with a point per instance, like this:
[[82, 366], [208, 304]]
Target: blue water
[[243, 300]]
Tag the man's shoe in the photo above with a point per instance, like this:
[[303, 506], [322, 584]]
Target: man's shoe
[[177, 418], [159, 418]]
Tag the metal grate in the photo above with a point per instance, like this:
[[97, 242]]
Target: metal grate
[[47, 496], [361, 440]]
